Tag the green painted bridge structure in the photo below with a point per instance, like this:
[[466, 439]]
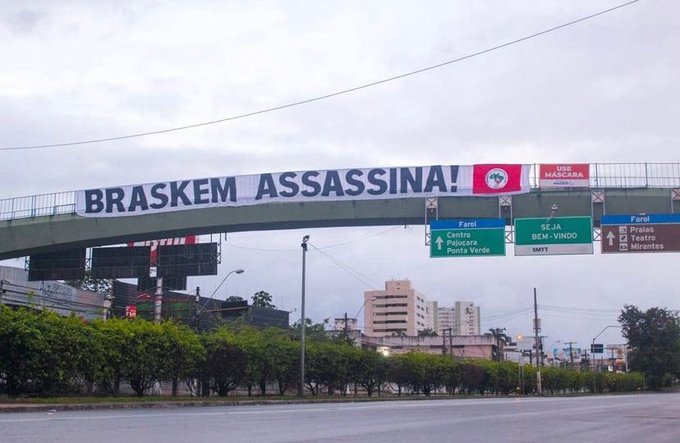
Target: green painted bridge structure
[[48, 223]]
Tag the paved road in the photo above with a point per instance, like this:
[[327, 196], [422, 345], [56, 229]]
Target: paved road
[[624, 418]]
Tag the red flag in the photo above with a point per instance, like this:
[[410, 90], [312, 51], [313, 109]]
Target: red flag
[[496, 179]]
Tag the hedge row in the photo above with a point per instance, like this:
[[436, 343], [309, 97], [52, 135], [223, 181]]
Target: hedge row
[[44, 354]]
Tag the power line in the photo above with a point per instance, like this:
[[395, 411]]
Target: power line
[[568, 308], [506, 315], [321, 97], [363, 278], [336, 245]]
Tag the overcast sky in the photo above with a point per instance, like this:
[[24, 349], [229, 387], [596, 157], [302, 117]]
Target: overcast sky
[[604, 90]]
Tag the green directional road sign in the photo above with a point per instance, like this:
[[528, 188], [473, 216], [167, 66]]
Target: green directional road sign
[[467, 238], [554, 236]]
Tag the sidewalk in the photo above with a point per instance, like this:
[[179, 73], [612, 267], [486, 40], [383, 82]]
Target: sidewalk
[[132, 404]]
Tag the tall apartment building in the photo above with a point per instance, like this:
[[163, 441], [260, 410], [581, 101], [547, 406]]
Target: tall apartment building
[[462, 319], [445, 320], [467, 318], [397, 310], [431, 317]]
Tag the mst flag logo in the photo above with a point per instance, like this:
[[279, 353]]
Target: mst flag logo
[[498, 179]]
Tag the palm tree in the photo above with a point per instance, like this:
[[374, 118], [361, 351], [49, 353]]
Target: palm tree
[[499, 335]]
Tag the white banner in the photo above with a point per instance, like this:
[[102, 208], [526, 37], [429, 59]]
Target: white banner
[[305, 186]]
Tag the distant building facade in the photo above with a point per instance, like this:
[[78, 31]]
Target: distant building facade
[[203, 313], [462, 319], [467, 318], [50, 295], [445, 320], [342, 324], [470, 346], [397, 310], [432, 319]]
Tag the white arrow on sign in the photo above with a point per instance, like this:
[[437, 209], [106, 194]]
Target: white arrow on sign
[[439, 242], [611, 237]]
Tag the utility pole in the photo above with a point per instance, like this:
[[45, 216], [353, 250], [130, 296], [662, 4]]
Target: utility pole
[[158, 302], [346, 328], [444, 341], [537, 329], [197, 319], [301, 388], [571, 353], [451, 341]]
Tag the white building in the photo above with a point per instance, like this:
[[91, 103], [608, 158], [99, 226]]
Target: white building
[[63, 299], [397, 310], [339, 324], [467, 318], [462, 319], [445, 320], [432, 315]]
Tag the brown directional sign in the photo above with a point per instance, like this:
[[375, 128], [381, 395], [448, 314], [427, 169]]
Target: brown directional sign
[[623, 234]]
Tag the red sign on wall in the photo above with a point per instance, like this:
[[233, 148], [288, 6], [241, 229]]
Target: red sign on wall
[[131, 311], [575, 175]]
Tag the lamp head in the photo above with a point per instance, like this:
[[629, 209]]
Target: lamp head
[[305, 239], [239, 271]]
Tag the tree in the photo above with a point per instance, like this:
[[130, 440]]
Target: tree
[[328, 365], [427, 332], [234, 298], [114, 333], [87, 283], [369, 369], [250, 340], [146, 348], [313, 331], [654, 340], [283, 354], [262, 299], [21, 345], [185, 354], [499, 336], [225, 362]]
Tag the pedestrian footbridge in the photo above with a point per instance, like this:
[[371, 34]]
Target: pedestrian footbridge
[[52, 222]]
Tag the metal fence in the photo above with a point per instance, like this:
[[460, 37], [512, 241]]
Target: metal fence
[[626, 175], [38, 205], [602, 175]]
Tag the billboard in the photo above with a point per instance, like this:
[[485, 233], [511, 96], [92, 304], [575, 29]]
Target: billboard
[[61, 265], [148, 284], [122, 262], [154, 244], [183, 260]]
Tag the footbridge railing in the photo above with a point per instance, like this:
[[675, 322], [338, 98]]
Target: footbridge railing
[[602, 176]]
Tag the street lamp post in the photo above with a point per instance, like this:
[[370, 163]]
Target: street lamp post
[[235, 271], [301, 389], [602, 360], [537, 329]]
